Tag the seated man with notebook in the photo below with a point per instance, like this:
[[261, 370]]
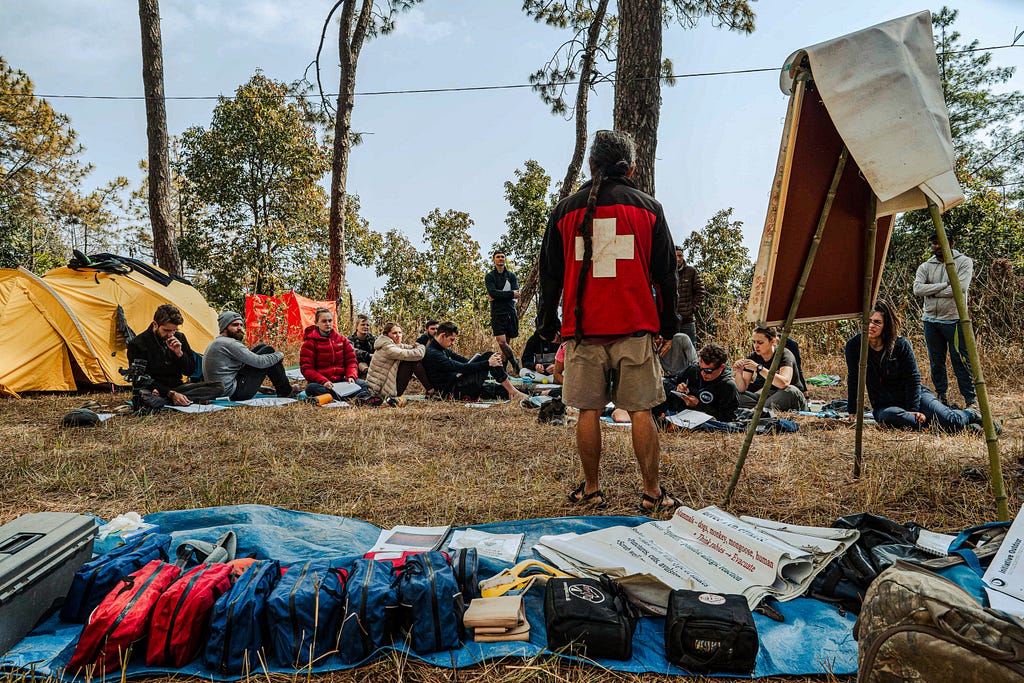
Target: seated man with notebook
[[706, 386], [455, 376]]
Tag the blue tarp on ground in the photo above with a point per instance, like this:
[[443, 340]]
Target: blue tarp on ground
[[814, 639]]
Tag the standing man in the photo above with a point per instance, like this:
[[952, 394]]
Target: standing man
[[691, 295], [240, 370], [942, 321], [607, 256], [503, 290]]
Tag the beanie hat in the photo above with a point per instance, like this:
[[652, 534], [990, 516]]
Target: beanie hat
[[226, 318]]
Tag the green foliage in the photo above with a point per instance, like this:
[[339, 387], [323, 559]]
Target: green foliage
[[724, 265], [989, 225], [254, 213], [446, 281], [531, 201], [42, 209]]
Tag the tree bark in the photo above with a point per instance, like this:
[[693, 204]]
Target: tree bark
[[638, 83], [529, 288], [350, 42], [165, 247]]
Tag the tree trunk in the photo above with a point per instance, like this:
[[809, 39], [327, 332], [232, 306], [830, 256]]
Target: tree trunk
[[638, 83], [529, 288], [350, 42], [165, 247]]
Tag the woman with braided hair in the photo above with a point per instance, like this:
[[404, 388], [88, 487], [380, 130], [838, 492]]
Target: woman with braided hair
[[608, 258]]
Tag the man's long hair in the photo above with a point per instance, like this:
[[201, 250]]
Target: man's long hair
[[612, 154]]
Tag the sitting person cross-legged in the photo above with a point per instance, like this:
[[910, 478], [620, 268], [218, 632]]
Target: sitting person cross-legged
[[786, 392], [363, 343], [169, 357], [539, 354], [327, 357], [241, 371], [393, 364], [455, 376], [898, 399], [707, 386]]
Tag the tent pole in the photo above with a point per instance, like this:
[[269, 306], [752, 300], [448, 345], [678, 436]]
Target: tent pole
[[866, 304], [794, 305], [995, 467]]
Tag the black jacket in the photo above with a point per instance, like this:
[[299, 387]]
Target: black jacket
[[892, 378], [537, 350], [443, 367], [502, 301], [162, 365], [363, 347]]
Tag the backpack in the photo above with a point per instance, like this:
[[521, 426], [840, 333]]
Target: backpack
[[181, 614], [589, 617], [552, 412], [882, 541], [918, 626], [304, 613], [431, 603], [370, 603], [237, 622], [122, 618], [97, 577]]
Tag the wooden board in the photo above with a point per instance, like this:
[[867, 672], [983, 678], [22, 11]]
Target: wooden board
[[807, 161]]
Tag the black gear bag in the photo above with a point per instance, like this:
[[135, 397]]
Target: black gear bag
[[710, 633], [589, 617]]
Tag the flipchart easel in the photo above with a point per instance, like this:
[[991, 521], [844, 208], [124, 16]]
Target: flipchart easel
[[866, 137]]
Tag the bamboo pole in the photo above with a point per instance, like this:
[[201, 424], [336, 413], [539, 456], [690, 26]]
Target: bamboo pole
[[866, 304], [992, 441], [794, 305]]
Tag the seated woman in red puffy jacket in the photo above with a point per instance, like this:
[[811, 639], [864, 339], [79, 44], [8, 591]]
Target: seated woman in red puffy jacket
[[327, 357]]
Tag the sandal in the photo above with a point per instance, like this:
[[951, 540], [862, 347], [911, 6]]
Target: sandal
[[665, 501], [595, 500]]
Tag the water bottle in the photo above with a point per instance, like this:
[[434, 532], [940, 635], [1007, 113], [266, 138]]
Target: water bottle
[[528, 384]]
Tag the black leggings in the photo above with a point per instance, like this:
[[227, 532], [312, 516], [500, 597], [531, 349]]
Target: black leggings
[[406, 370]]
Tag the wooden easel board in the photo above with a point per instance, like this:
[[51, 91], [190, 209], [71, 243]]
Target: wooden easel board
[[807, 161]]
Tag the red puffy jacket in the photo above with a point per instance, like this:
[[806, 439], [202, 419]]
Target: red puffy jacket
[[327, 359]]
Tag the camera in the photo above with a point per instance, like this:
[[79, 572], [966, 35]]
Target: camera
[[144, 401]]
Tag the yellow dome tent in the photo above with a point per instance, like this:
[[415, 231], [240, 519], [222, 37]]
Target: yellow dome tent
[[70, 328]]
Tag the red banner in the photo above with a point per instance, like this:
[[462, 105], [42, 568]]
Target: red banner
[[287, 315]]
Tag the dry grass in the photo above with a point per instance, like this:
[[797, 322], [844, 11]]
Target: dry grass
[[445, 464]]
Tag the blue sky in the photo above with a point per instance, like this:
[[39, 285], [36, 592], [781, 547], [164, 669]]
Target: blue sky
[[718, 138]]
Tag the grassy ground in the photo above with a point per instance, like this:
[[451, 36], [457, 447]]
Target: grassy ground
[[432, 463]]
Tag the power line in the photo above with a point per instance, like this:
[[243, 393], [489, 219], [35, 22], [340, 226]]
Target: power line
[[455, 89]]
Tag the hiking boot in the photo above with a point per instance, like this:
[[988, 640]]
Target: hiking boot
[[979, 429], [295, 391]]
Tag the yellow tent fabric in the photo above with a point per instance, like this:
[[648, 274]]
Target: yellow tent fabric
[[68, 328], [95, 297], [42, 344]]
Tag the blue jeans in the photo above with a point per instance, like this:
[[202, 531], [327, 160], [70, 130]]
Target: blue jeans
[[938, 337], [690, 330], [935, 412]]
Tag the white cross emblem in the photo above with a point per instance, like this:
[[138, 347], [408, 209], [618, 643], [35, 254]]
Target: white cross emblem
[[608, 247]]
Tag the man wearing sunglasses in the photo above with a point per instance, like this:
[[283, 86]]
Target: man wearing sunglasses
[[707, 386]]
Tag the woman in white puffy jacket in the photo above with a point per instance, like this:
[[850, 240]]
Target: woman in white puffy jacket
[[393, 364]]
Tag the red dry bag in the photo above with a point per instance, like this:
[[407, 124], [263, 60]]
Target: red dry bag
[[178, 627]]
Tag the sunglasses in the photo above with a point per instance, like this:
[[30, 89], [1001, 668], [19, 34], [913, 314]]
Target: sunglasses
[[708, 371]]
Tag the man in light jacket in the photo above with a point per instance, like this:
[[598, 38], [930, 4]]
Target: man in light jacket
[[942, 321]]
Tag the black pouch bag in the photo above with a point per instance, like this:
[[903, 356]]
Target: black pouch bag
[[710, 633], [464, 563], [589, 617]]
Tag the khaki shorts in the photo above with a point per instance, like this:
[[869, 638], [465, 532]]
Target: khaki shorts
[[633, 365]]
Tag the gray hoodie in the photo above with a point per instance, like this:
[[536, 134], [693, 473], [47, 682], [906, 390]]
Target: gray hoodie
[[225, 356], [932, 284]]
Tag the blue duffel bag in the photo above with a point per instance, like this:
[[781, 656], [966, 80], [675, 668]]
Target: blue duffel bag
[[238, 625], [304, 613], [370, 603], [431, 603]]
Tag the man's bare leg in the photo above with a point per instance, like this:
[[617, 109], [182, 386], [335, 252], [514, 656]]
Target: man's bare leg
[[506, 350], [647, 449], [588, 442], [513, 393]]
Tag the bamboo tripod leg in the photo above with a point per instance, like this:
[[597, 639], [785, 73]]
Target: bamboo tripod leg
[[992, 441], [794, 305], [866, 304]]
